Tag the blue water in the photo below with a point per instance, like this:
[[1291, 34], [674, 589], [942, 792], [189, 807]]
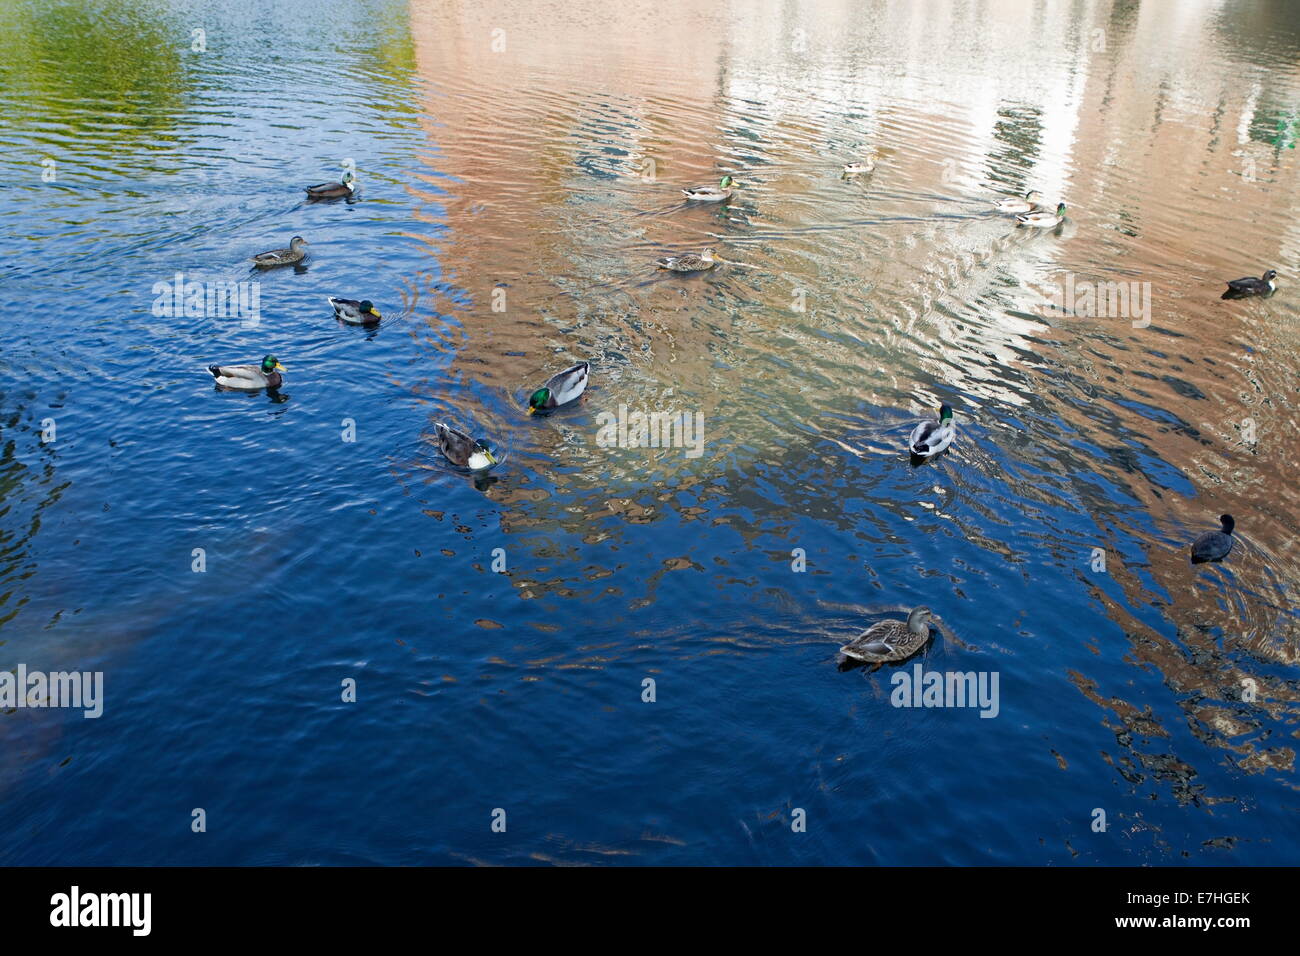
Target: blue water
[[373, 560]]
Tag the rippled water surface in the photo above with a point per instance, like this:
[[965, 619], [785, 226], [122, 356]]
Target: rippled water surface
[[521, 167]]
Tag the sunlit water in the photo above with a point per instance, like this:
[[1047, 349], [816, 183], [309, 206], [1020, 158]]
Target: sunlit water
[[539, 150]]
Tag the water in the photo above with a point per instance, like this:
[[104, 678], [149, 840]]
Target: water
[[546, 160]]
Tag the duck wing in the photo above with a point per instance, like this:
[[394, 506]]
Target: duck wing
[[235, 371], [1211, 546], [567, 385], [921, 435], [883, 641], [345, 308], [327, 190], [454, 444], [239, 376]]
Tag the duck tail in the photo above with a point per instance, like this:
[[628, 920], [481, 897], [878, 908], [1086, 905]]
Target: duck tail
[[215, 370]]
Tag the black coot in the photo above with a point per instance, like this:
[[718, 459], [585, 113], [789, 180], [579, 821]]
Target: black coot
[[1214, 545]]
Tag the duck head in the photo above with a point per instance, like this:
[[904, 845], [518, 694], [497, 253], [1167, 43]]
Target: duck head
[[271, 364], [296, 243], [538, 399], [350, 180], [368, 308], [945, 414], [726, 183], [484, 448], [918, 622], [1270, 275], [1227, 523]]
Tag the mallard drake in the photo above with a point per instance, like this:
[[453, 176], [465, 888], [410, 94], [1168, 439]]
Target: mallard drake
[[1042, 218], [355, 312], [711, 193], [1015, 204], [687, 262], [891, 640], [560, 388], [249, 378], [930, 438], [282, 257], [1214, 545], [1239, 288], [338, 190], [460, 449]]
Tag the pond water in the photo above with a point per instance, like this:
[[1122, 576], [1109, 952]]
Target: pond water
[[520, 168]]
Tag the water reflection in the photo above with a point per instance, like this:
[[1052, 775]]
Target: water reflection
[[883, 295]]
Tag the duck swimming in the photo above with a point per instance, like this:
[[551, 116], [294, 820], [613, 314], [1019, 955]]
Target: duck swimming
[[355, 312], [1240, 288], [891, 640], [460, 449], [717, 193], [687, 262], [1028, 204], [282, 257], [930, 438], [250, 377], [338, 190], [1042, 218], [1214, 545], [561, 388]]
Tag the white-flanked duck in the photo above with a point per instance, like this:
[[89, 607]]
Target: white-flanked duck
[[561, 388], [931, 437]]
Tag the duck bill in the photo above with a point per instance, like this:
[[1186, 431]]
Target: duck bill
[[280, 368], [492, 459], [375, 313], [531, 409]]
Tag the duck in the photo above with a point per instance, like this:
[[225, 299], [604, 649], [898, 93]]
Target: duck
[[1240, 288], [459, 449], [1029, 203], [561, 388], [1042, 218], [687, 261], [355, 312], [338, 190], [864, 165], [717, 193], [931, 437], [891, 640], [282, 257], [250, 378], [1214, 545]]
